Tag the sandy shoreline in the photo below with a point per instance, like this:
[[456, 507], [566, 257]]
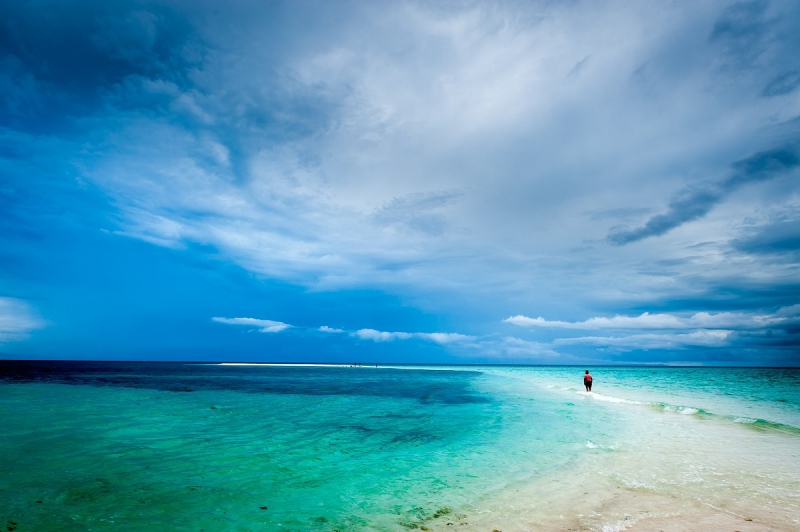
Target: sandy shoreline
[[655, 513], [623, 511], [569, 501]]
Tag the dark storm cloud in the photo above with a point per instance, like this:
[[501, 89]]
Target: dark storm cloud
[[58, 60], [694, 202], [761, 166], [779, 237], [735, 295]]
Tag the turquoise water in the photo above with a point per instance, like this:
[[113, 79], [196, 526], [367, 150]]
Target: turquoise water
[[207, 447]]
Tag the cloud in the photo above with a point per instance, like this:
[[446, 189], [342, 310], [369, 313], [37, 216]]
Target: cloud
[[694, 202], [778, 237], [439, 338], [265, 326], [381, 336], [445, 338], [777, 329], [270, 326], [699, 320], [741, 30], [70, 57], [702, 338], [419, 211], [346, 164], [17, 319], [464, 161]]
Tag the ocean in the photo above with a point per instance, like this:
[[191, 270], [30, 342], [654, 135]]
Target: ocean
[[196, 446]]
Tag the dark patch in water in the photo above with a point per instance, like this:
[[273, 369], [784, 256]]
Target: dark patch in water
[[439, 387], [358, 428], [415, 437], [399, 416]]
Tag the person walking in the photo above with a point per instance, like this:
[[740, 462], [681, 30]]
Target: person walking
[[587, 381]]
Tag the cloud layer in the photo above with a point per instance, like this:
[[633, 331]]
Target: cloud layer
[[270, 326], [663, 331], [646, 320], [620, 333], [468, 160]]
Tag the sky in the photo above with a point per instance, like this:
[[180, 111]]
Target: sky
[[538, 182]]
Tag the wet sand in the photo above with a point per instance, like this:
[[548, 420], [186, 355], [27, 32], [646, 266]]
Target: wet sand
[[573, 503], [623, 511]]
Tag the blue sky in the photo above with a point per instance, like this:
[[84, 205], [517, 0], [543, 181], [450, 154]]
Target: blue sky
[[468, 182]]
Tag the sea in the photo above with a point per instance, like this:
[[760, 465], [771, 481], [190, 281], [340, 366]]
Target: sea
[[239, 447]]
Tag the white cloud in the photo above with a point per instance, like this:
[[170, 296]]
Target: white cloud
[[701, 329], [670, 331], [439, 338], [270, 326], [700, 320], [445, 338], [789, 312], [381, 336], [265, 326], [17, 319]]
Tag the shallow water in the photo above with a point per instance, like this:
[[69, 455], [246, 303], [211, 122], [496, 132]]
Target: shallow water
[[110, 446]]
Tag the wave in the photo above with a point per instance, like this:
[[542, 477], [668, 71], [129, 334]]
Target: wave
[[609, 399], [755, 423], [765, 424]]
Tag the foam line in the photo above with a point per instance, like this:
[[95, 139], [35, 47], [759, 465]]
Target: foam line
[[762, 424]]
